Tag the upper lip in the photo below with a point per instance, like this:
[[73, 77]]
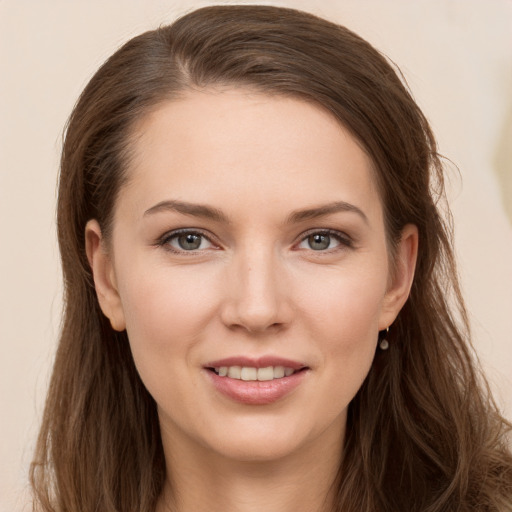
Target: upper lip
[[258, 362]]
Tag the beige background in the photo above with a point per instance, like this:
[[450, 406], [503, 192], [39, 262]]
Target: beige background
[[456, 56]]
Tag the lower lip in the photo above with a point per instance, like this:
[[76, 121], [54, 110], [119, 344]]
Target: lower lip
[[256, 392]]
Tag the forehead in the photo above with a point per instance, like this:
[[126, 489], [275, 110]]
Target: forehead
[[248, 148]]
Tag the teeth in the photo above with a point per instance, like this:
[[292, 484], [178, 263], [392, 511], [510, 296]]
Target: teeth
[[279, 372], [266, 373], [248, 373], [235, 372]]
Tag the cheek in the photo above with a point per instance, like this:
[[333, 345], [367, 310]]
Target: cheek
[[343, 317], [346, 305], [166, 312]]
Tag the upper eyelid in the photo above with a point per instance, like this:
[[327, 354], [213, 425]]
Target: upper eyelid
[[182, 231], [329, 231]]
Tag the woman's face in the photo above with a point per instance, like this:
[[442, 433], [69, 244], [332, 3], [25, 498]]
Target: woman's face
[[249, 241]]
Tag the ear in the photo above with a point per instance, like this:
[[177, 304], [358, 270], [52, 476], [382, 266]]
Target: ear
[[402, 277], [104, 277]]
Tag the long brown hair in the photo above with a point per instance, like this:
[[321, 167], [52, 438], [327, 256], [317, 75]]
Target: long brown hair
[[423, 433]]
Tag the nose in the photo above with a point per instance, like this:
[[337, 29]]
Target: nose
[[256, 298]]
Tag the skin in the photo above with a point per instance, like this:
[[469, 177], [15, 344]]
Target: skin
[[255, 286]]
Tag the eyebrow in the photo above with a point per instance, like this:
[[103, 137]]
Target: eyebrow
[[208, 212], [196, 210], [326, 209]]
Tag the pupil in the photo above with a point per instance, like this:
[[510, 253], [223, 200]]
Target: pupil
[[190, 241], [319, 242]]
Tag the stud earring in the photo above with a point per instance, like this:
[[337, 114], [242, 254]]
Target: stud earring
[[384, 343]]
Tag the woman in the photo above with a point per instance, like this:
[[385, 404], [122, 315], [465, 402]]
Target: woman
[[262, 309]]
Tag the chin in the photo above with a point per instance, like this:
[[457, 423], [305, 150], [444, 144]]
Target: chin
[[262, 440], [258, 449]]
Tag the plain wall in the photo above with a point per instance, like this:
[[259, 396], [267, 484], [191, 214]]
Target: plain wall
[[456, 57]]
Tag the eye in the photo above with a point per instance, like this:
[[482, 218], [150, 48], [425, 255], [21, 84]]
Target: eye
[[324, 240], [186, 241]]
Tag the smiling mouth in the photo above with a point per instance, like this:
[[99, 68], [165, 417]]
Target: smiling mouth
[[248, 373], [256, 381]]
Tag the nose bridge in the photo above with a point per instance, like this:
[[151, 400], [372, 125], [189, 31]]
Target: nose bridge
[[256, 296]]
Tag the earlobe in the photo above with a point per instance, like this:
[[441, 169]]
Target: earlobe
[[104, 276], [403, 275]]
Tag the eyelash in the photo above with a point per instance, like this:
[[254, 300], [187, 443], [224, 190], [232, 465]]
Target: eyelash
[[164, 241], [343, 239], [345, 242]]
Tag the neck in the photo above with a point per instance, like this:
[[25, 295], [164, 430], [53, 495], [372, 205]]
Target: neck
[[198, 480]]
